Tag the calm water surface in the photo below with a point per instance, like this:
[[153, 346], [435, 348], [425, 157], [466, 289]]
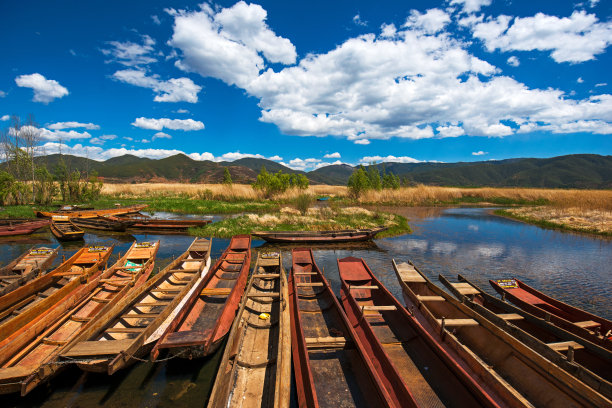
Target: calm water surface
[[573, 268]]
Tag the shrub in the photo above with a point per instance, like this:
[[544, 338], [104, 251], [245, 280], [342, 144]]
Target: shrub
[[276, 183], [6, 186], [227, 177], [45, 186], [358, 182], [303, 202]]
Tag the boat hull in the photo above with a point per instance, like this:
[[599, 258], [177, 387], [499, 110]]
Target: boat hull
[[21, 227]]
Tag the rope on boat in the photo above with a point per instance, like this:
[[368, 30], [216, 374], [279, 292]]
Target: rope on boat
[[161, 360]]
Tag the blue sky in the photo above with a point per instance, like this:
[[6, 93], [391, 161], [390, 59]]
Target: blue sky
[[311, 83]]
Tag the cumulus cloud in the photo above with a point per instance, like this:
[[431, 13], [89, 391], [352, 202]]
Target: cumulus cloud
[[335, 155], [4, 118], [156, 19], [479, 153], [72, 125], [161, 135], [580, 80], [182, 111], [173, 124], [388, 159], [172, 90], [131, 54], [450, 131], [62, 135], [302, 164], [513, 61], [45, 90], [358, 21], [102, 139], [432, 21], [471, 6]]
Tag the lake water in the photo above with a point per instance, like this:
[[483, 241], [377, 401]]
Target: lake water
[[573, 268]]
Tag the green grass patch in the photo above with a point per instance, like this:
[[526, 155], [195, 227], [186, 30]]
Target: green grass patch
[[549, 224]]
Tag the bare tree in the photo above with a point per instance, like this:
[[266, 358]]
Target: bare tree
[[30, 137]]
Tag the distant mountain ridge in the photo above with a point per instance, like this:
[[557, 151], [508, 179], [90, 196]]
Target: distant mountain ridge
[[571, 171]]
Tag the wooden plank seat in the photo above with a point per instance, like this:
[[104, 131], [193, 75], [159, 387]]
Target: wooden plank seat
[[124, 330], [587, 324], [458, 322], [52, 342], [167, 290], [80, 319], [465, 288], [151, 304], [98, 348], [100, 300], [140, 315], [423, 298], [310, 284], [409, 274], [304, 273], [510, 316], [266, 275], [565, 345], [325, 342], [216, 292], [258, 295], [186, 270], [369, 287], [371, 308]]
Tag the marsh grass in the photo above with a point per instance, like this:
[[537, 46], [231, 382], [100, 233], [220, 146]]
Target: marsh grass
[[570, 218]]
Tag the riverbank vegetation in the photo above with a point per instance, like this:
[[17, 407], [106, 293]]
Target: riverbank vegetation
[[572, 219]]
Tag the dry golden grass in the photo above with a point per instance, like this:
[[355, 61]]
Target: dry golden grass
[[599, 221]]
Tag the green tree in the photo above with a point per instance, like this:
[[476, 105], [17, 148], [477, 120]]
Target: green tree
[[227, 177], [374, 177], [390, 180], [358, 182], [6, 186], [45, 186]]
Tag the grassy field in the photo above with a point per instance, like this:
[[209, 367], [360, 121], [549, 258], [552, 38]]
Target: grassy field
[[572, 219]]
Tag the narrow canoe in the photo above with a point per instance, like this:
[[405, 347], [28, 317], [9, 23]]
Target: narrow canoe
[[28, 266], [109, 344], [104, 223], [9, 227], [586, 361], [523, 376], [330, 364], [166, 226], [584, 324], [53, 293], [416, 371], [93, 213], [256, 364], [354, 235], [206, 317], [65, 230], [27, 360]]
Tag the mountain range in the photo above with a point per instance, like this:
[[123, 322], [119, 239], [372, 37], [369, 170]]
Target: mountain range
[[571, 171]]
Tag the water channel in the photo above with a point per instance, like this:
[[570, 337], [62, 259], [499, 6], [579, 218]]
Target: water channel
[[576, 269]]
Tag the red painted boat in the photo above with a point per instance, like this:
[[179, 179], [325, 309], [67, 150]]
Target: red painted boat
[[28, 266], [9, 227], [331, 367], [416, 371], [584, 324], [300, 237], [206, 317]]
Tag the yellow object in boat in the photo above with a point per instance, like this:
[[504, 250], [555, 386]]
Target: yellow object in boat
[[264, 316]]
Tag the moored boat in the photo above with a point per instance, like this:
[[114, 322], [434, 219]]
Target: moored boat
[[10, 227], [93, 213], [256, 364], [165, 226], [104, 223], [207, 315], [26, 267], [65, 230], [582, 323], [352, 235], [522, 376]]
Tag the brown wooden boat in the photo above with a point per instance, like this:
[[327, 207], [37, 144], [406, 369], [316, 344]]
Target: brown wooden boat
[[331, 366], [53, 293], [352, 235], [166, 226], [206, 317], [520, 374], [65, 230], [104, 223], [416, 371], [28, 359], [10, 227], [586, 361], [256, 364], [584, 324], [130, 328], [28, 266], [93, 213]]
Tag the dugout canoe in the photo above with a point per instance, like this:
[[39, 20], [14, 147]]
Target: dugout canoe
[[64, 229], [331, 366], [10, 227], [93, 213], [582, 323], [53, 293], [165, 226], [414, 368], [104, 223], [131, 326], [350, 235], [584, 360], [26, 267], [512, 367], [256, 364], [29, 359], [206, 317]]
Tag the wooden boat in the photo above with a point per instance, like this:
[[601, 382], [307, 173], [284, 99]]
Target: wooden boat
[[352, 235], [10, 227], [256, 364], [131, 326], [331, 366], [28, 359], [165, 226], [586, 361], [53, 293], [77, 207], [64, 229], [29, 265], [207, 315], [415, 370], [322, 198], [521, 375], [93, 213], [104, 223], [584, 324]]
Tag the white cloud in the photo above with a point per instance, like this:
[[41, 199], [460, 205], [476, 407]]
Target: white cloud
[[5, 118], [479, 153], [471, 6], [172, 90], [513, 61], [302, 164], [73, 125], [156, 19], [601, 84], [97, 141], [577, 38], [388, 159], [2, 94], [57, 135], [161, 135], [108, 137], [362, 142], [129, 139], [450, 131], [232, 156], [580, 80], [325, 164], [358, 21], [182, 111], [431, 22], [131, 54], [45, 90], [173, 124], [335, 155]]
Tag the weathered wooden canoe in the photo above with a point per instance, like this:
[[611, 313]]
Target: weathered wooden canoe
[[28, 359], [165, 226], [65, 230], [584, 324], [353, 235], [416, 371], [256, 364], [53, 293], [9, 227], [93, 213], [207, 315], [521, 375], [586, 361], [28, 266], [109, 344], [104, 223], [330, 364]]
